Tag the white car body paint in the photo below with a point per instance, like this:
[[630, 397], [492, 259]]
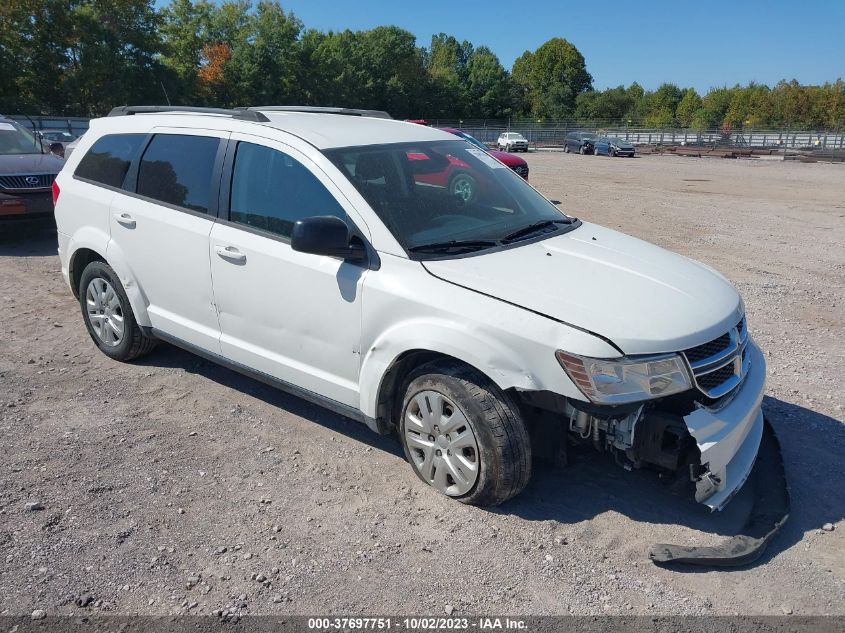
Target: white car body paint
[[728, 437], [604, 281], [335, 329]]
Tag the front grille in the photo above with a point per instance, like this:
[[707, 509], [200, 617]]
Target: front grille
[[709, 349], [27, 181], [719, 366], [716, 378]]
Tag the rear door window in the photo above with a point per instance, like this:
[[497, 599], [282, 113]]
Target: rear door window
[[177, 168], [109, 158]]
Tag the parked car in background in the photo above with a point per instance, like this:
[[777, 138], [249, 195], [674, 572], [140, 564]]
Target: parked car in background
[[57, 136], [512, 142], [580, 142], [514, 162], [612, 146], [27, 172]]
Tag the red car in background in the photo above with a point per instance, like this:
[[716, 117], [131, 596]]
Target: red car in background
[[514, 162]]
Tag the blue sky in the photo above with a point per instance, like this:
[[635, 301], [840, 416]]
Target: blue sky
[[699, 43]]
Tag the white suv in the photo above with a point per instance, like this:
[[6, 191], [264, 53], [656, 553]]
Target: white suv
[[329, 255], [512, 142]]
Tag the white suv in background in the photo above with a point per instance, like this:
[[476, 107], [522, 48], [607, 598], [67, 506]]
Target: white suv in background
[[512, 142], [326, 254]]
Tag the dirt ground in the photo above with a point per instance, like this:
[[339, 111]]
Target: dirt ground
[[173, 486]]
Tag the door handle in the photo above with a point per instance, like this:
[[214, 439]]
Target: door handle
[[125, 219], [231, 253]]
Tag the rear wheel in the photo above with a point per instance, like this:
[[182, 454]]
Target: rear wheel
[[108, 315], [463, 436]]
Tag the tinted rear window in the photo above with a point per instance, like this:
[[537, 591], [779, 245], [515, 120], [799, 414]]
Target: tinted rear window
[[108, 159], [177, 169]]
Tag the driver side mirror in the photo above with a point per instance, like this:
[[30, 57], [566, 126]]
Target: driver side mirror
[[326, 235]]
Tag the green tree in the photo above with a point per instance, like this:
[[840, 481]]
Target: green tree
[[689, 104], [446, 64], [611, 105], [111, 51], [264, 65], [488, 85], [185, 31], [551, 79]]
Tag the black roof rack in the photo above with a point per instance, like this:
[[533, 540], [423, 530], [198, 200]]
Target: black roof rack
[[239, 113], [378, 114]]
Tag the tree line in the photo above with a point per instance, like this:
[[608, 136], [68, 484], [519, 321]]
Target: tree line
[[83, 57]]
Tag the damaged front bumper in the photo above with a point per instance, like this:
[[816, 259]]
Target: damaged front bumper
[[729, 436]]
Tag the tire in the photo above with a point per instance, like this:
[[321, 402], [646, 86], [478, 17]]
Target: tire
[[582, 150], [566, 148], [612, 153], [464, 186], [501, 452], [105, 309]]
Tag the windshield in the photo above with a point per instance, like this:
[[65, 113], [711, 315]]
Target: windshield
[[590, 137], [447, 198], [16, 139], [618, 141], [513, 136]]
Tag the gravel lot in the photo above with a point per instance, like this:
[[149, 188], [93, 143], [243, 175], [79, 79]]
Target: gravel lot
[[175, 486]]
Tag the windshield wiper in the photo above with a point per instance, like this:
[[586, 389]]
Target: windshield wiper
[[439, 247], [533, 228]]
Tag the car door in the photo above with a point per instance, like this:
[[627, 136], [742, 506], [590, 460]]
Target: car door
[[160, 228], [291, 315]]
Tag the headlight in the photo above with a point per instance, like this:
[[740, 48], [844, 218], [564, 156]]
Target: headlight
[[616, 381]]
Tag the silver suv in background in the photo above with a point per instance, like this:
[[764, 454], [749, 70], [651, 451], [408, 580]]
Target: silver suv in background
[[512, 142]]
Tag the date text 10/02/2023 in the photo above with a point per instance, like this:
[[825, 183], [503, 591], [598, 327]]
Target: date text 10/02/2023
[[416, 623]]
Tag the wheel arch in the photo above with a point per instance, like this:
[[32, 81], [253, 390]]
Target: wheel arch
[[402, 348], [80, 258], [90, 245]]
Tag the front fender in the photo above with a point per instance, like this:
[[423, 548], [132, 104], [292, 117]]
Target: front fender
[[504, 366]]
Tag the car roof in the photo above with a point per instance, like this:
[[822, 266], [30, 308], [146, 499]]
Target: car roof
[[324, 130]]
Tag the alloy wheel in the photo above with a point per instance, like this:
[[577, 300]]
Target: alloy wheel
[[105, 314]]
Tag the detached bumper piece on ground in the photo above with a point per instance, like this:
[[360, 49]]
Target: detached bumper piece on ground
[[769, 512]]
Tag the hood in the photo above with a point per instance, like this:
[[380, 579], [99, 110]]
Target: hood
[[23, 164], [643, 298], [508, 159]]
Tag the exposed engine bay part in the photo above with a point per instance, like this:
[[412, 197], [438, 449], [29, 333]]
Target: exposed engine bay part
[[769, 512], [711, 444]]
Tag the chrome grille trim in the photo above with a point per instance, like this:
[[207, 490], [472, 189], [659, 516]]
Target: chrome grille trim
[[731, 352], [18, 182]]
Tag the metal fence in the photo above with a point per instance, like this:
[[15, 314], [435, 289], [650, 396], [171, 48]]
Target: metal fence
[[545, 135], [76, 126]]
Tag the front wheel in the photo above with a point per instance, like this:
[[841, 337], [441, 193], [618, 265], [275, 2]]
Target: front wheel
[[582, 150], [463, 436], [565, 148]]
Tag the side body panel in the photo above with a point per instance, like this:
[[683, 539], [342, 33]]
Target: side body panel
[[294, 316], [406, 308]]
